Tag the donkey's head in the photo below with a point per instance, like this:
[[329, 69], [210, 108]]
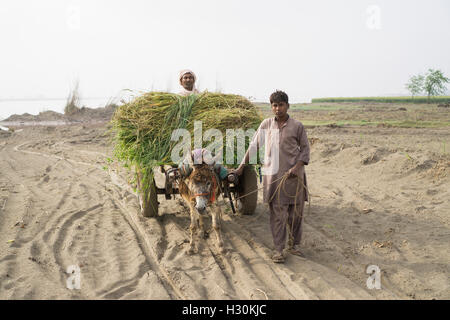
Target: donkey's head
[[202, 186]]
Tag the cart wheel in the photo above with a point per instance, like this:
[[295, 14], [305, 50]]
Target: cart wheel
[[248, 182], [148, 200]]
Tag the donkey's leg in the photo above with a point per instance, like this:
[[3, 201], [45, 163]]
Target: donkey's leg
[[216, 214], [193, 229], [203, 233]]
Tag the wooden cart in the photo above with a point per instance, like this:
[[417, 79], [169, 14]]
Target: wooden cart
[[233, 187]]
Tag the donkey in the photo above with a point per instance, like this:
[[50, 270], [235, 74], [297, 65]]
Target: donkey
[[200, 188]]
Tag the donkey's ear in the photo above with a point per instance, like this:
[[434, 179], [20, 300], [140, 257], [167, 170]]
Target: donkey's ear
[[185, 169]]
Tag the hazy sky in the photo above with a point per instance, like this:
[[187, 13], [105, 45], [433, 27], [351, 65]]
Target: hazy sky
[[307, 48]]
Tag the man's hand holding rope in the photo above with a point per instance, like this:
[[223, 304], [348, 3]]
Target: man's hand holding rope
[[297, 170]]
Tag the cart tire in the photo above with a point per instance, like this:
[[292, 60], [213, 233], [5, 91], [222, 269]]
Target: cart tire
[[148, 200], [248, 182]]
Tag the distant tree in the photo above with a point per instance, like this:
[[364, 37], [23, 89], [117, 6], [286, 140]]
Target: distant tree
[[435, 83], [415, 85]]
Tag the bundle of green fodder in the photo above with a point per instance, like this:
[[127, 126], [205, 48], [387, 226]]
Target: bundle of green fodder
[[144, 126]]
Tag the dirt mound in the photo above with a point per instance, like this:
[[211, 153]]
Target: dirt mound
[[49, 116], [42, 116], [83, 114], [440, 169], [330, 149], [21, 117]]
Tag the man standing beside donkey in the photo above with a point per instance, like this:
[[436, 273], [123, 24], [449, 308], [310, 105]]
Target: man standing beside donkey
[[285, 189]]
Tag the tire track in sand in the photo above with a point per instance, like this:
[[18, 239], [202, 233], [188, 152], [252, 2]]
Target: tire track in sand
[[66, 222], [244, 272]]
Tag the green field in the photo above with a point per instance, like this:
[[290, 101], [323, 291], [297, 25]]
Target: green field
[[312, 106], [343, 113], [419, 99], [384, 123]]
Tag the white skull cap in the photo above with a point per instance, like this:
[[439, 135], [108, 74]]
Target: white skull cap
[[183, 72]]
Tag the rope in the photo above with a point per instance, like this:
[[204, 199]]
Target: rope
[[247, 194], [282, 186], [284, 177]]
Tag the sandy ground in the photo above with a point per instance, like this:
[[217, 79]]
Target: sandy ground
[[379, 197]]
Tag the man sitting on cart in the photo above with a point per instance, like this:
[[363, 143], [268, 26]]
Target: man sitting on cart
[[187, 81]]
